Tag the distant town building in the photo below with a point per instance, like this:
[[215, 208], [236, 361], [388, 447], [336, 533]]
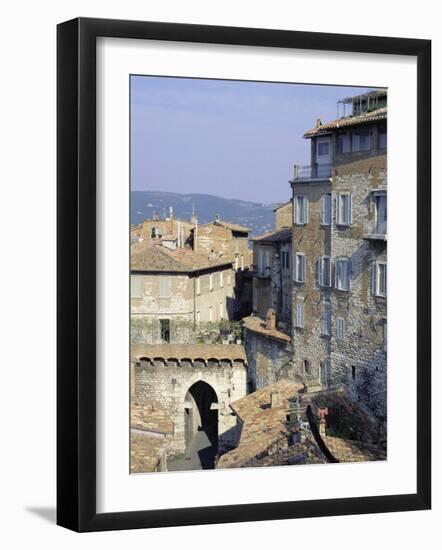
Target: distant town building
[[283, 215], [340, 254], [177, 292]]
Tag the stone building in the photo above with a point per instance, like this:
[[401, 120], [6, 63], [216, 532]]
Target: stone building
[[340, 254], [170, 230], [178, 294], [267, 331], [224, 239], [283, 215], [194, 385]]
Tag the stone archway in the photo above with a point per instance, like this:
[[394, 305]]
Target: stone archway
[[201, 423]]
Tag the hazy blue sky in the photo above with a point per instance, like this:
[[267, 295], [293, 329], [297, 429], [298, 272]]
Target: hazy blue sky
[[227, 138]]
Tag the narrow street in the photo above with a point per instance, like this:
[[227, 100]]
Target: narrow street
[[199, 456]]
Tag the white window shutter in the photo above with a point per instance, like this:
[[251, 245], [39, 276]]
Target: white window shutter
[[320, 280], [373, 277]]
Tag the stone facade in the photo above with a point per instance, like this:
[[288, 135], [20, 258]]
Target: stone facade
[[166, 379], [339, 302], [283, 215], [191, 304]]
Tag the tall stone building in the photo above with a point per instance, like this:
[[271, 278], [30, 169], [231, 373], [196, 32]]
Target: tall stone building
[[267, 331], [340, 254]]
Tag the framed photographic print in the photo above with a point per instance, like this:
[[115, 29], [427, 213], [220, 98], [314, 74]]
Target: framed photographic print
[[224, 286]]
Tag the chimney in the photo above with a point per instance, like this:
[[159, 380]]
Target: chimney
[[318, 123], [322, 413], [170, 211], [271, 319], [217, 218]]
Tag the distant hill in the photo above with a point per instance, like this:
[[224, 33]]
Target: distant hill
[[259, 217]]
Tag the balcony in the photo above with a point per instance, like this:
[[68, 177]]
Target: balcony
[[311, 172], [375, 231]]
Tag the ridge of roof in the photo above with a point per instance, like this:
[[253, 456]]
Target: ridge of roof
[[372, 116], [156, 257]]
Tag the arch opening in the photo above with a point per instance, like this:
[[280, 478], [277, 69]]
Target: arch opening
[[201, 424]]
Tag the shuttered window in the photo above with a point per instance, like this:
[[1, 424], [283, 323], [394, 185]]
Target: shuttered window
[[342, 274], [340, 329], [135, 286], [326, 320], [324, 271], [165, 287], [300, 315], [300, 268], [326, 209], [344, 209], [301, 210], [379, 278]]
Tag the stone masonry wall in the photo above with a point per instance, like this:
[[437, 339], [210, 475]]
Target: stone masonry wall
[[313, 240], [169, 382], [359, 361], [266, 358]]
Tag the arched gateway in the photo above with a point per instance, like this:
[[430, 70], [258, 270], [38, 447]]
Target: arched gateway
[[201, 413]]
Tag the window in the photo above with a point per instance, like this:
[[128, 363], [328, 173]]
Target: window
[[323, 148], [165, 287], [198, 285], [344, 143], [323, 373], [306, 366], [343, 210], [300, 268], [135, 286], [267, 262], [383, 139], [211, 282], [326, 319], [165, 330], [340, 328], [221, 279], [300, 315], [342, 274], [236, 263], [362, 140], [326, 209], [381, 213], [221, 310], [324, 271], [210, 314], [301, 210], [242, 262], [285, 259], [229, 279], [353, 372], [379, 278]]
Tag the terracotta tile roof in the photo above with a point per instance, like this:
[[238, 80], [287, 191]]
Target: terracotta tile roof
[[151, 431], [263, 424], [282, 235], [256, 324], [364, 118], [228, 225], [232, 352], [150, 417], [157, 258]]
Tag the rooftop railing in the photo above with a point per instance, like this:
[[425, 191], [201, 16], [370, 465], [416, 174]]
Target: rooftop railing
[[311, 171]]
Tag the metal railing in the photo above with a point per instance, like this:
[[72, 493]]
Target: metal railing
[[311, 171]]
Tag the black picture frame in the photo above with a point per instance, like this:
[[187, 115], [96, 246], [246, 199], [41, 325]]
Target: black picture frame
[[76, 274]]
